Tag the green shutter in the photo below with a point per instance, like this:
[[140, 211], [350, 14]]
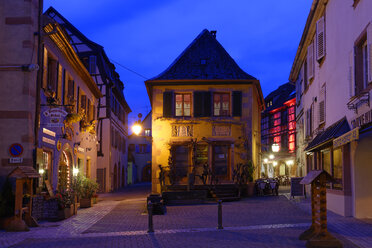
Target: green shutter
[[207, 103], [168, 104], [237, 103], [198, 103]]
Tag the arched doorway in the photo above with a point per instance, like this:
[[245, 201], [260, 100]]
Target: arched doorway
[[65, 169], [146, 173], [115, 181]]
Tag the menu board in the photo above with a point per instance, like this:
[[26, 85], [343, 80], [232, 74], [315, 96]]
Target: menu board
[[297, 189]]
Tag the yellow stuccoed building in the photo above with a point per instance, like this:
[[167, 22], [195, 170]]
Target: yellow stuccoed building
[[205, 115]]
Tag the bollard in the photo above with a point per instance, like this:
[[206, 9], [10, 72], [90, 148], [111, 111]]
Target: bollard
[[149, 208], [219, 215]]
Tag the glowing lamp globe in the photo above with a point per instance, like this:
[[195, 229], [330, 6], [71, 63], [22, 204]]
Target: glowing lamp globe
[[266, 160], [275, 147], [136, 129], [75, 171]]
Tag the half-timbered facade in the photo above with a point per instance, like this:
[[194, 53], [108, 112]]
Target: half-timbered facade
[[112, 110]]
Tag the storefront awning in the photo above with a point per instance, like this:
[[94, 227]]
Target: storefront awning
[[335, 130]]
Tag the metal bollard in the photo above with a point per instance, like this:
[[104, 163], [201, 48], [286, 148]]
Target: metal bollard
[[219, 215], [149, 208]]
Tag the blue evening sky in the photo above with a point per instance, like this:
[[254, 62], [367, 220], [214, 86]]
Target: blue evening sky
[[147, 35]]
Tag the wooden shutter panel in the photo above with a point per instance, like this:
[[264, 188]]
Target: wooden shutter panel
[[358, 67], [168, 104], [198, 103], [83, 103], [207, 104], [322, 104], [148, 148], [310, 61], [320, 38], [351, 74], [369, 51], [237, 103]]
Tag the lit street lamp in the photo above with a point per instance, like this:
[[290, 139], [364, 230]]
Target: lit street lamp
[[275, 147], [137, 126]]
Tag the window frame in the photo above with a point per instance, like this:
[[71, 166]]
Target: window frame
[[182, 105], [221, 94]]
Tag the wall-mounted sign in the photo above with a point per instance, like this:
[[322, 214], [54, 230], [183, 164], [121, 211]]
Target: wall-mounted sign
[[363, 119], [55, 113], [59, 145], [15, 150], [346, 138], [49, 132], [221, 130], [15, 160], [48, 141]]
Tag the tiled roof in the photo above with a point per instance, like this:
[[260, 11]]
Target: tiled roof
[[204, 58], [335, 130]]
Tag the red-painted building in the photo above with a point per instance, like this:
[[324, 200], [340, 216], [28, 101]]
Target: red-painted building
[[278, 133]]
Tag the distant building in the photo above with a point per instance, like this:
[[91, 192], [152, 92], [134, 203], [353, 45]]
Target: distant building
[[205, 111], [139, 153], [278, 128], [112, 110], [333, 75]]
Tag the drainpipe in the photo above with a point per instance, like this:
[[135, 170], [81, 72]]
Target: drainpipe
[[39, 74]]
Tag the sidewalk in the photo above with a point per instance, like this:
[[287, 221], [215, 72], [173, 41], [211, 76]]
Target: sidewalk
[[357, 231]]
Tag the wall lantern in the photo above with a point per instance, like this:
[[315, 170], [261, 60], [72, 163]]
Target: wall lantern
[[290, 162], [275, 147], [266, 160], [41, 171], [271, 156], [75, 171], [275, 163]]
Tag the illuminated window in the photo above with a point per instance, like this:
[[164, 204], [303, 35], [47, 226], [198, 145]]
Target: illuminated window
[[147, 132], [183, 104], [221, 104], [337, 168]]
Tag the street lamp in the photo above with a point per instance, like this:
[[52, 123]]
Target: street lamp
[[275, 147], [137, 126], [266, 160]]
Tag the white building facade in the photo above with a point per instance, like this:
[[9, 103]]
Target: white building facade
[[333, 75]]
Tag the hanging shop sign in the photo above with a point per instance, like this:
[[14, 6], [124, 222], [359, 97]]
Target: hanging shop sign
[[56, 116], [15, 150], [346, 138]]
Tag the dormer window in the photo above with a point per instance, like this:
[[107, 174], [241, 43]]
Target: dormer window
[[203, 61]]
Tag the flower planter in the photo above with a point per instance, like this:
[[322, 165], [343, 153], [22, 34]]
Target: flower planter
[[250, 189], [86, 202], [69, 211]]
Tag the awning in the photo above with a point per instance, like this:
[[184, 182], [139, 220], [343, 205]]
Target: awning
[[24, 172], [335, 130]]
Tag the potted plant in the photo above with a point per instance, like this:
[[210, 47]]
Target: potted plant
[[88, 190], [65, 203]]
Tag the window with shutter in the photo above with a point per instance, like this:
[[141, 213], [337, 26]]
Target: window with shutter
[[322, 99], [182, 104], [52, 70], [351, 74], [168, 104], [320, 39], [83, 103], [237, 103], [361, 65], [310, 61]]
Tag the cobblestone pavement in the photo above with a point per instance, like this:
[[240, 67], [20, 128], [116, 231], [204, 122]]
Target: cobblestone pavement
[[119, 220]]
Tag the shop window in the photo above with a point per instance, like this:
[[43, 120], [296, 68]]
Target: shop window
[[337, 168], [221, 104], [183, 104]]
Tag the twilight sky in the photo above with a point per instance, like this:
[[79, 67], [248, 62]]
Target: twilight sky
[[146, 36]]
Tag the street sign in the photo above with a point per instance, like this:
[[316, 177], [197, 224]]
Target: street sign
[[15, 160], [16, 150]]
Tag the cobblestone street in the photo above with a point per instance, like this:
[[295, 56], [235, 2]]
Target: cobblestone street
[[119, 220]]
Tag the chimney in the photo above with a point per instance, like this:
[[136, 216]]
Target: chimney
[[213, 33]]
